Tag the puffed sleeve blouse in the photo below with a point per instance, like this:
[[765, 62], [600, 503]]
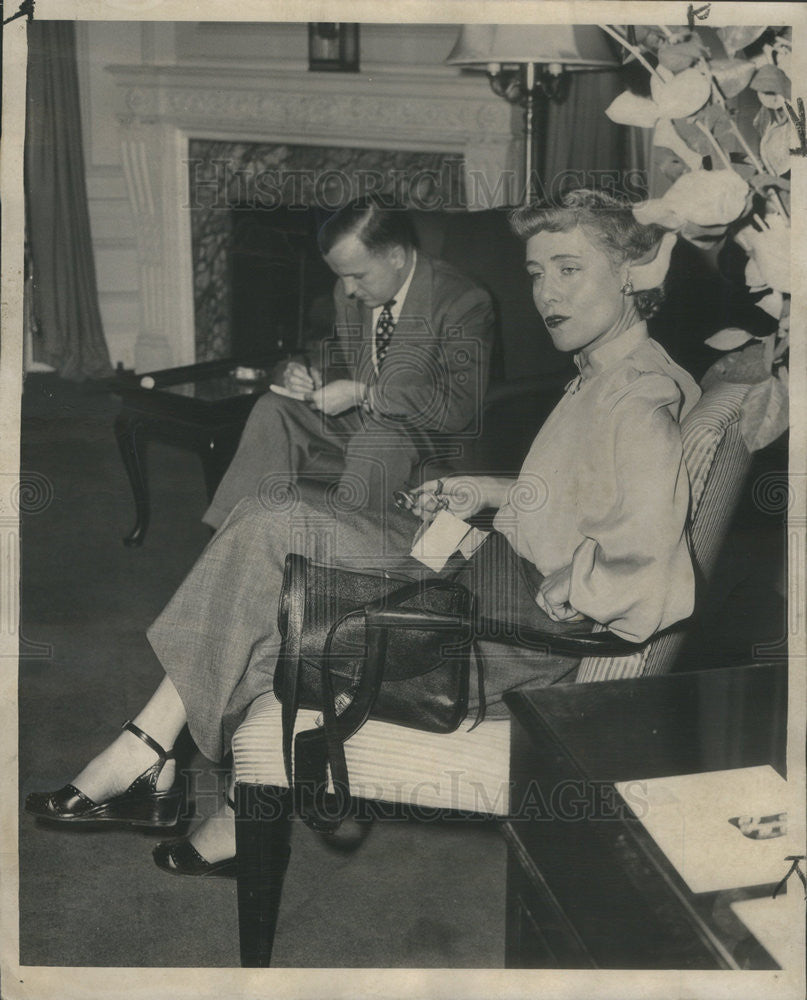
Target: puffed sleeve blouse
[[604, 489]]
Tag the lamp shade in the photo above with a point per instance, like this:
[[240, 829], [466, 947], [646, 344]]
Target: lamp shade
[[574, 46]]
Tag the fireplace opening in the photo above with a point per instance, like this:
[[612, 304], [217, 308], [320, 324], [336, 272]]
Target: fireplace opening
[[281, 289]]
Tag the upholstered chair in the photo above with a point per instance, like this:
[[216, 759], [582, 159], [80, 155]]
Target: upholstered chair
[[464, 770]]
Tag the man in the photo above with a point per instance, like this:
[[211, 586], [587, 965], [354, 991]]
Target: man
[[405, 374]]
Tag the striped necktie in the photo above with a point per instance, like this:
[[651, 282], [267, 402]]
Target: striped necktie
[[383, 331]]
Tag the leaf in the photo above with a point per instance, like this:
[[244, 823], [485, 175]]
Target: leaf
[[667, 136], [739, 37], [668, 163], [728, 339], [651, 273], [683, 95], [732, 75], [681, 56], [765, 412], [774, 147], [706, 237], [648, 36], [718, 121], [772, 304], [770, 79], [630, 109], [746, 367]]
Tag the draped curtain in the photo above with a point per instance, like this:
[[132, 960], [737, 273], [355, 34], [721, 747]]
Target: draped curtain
[[67, 332], [577, 145]]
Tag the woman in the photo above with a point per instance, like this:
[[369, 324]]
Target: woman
[[595, 526]]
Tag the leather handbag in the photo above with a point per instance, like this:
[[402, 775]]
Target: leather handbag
[[357, 646]]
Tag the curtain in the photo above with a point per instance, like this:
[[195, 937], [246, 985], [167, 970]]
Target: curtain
[[68, 333], [579, 146]]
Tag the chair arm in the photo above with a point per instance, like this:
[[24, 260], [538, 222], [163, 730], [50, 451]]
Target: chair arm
[[548, 641], [507, 633]]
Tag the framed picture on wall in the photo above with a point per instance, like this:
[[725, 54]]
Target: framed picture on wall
[[333, 46]]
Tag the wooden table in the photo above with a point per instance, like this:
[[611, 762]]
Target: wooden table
[[587, 885], [201, 407]]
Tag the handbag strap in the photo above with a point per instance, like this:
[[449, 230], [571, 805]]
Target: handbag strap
[[294, 591], [379, 617], [306, 758]]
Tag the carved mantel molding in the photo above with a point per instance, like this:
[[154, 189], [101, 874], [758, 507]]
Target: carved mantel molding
[[160, 108]]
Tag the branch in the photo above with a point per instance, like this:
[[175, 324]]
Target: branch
[[633, 49]]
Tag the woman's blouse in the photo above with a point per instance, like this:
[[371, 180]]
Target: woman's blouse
[[604, 489]]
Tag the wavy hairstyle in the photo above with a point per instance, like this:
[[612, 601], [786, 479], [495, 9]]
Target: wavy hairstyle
[[608, 221], [379, 227]]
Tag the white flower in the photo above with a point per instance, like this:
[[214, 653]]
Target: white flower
[[768, 252], [704, 197], [677, 96]]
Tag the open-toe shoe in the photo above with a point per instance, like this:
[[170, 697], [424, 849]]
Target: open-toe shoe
[[180, 857], [140, 805]]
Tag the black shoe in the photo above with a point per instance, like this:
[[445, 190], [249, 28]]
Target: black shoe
[[180, 857], [140, 805]]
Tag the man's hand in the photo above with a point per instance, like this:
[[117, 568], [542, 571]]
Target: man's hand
[[338, 396], [298, 378], [553, 596]]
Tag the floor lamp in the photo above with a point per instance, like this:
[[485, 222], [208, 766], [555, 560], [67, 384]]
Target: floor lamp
[[522, 60]]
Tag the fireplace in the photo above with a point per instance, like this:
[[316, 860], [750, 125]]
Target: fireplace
[[202, 144], [255, 208]]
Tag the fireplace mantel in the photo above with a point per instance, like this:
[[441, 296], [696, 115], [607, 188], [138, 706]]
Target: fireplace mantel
[[161, 107]]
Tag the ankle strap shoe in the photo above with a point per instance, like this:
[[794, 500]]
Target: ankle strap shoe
[[140, 805]]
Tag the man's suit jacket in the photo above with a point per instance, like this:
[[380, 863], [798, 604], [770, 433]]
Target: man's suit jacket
[[435, 373]]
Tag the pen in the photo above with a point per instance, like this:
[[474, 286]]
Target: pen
[[309, 372]]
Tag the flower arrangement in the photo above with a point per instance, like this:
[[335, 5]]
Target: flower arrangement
[[725, 185]]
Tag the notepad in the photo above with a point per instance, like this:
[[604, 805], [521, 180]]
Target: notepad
[[689, 816]]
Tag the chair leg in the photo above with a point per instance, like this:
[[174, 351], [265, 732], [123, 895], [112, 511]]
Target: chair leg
[[262, 834]]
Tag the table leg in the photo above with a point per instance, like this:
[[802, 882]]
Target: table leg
[[131, 441]]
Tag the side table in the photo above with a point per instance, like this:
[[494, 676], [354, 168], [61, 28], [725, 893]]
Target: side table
[[201, 407], [587, 886]]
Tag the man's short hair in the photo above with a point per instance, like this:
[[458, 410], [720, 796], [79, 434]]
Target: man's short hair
[[379, 228]]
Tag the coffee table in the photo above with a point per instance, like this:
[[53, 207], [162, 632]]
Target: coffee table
[[202, 407]]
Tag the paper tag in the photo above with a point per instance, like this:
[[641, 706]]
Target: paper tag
[[436, 543], [472, 541]]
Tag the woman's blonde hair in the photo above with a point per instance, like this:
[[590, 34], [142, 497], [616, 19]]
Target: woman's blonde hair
[[608, 221]]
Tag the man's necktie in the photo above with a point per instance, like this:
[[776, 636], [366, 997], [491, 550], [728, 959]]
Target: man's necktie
[[383, 330]]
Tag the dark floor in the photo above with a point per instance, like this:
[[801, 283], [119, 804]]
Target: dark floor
[[417, 894]]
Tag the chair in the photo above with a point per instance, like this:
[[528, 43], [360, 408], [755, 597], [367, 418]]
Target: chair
[[467, 771]]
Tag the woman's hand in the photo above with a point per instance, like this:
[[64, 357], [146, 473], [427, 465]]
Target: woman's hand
[[553, 596], [463, 496]]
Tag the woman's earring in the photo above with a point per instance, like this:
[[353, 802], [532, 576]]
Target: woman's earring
[[627, 288]]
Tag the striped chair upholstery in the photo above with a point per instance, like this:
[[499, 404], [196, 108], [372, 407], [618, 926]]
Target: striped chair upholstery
[[470, 770]]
